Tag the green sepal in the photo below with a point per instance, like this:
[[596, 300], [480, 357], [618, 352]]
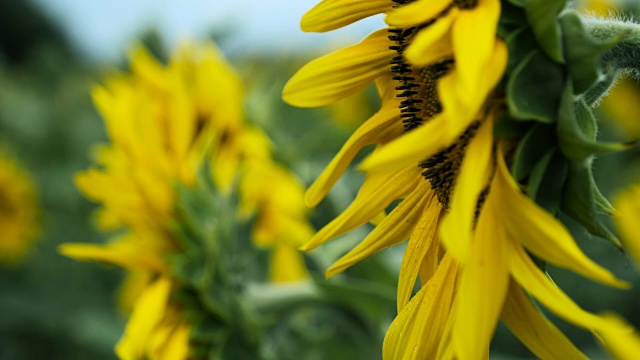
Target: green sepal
[[512, 17], [583, 52], [508, 128], [547, 180], [543, 18], [531, 149], [520, 43], [581, 202], [577, 129], [534, 88]]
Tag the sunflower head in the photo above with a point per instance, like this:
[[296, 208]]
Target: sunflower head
[[19, 219]]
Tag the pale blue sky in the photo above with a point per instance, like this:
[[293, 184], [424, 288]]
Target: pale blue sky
[[101, 29]]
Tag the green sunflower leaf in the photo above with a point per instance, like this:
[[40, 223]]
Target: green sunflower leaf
[[577, 129], [534, 88], [580, 201], [543, 18], [583, 52]]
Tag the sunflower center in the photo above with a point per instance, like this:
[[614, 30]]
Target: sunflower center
[[418, 88], [442, 168]]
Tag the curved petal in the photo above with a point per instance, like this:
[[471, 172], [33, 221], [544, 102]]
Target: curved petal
[[540, 232], [124, 252], [474, 36], [418, 329], [530, 325], [457, 225], [395, 228], [147, 314], [333, 14], [287, 264], [483, 287], [381, 127], [620, 340], [412, 147], [417, 12], [377, 192], [432, 42], [420, 243], [540, 286], [335, 76]]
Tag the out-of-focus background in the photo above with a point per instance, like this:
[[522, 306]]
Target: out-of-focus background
[[53, 51]]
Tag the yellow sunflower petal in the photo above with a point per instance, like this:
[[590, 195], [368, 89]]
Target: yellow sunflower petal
[[540, 233], [177, 346], [483, 286], [395, 228], [147, 314], [417, 330], [287, 264], [474, 34], [457, 225], [333, 14], [540, 286], [335, 76], [420, 243], [124, 252], [620, 340], [462, 109], [530, 325], [417, 12], [411, 148], [628, 205], [379, 128], [433, 42], [377, 192]]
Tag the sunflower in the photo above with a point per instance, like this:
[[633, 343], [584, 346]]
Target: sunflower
[[18, 211], [478, 225], [165, 123]]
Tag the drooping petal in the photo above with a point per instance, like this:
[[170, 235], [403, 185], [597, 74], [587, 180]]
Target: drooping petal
[[457, 225], [540, 286], [540, 232], [333, 14], [395, 228], [628, 205], [620, 340], [411, 148], [335, 76], [483, 286], [287, 264], [432, 42], [381, 127], [417, 331], [147, 314], [461, 109], [417, 12], [177, 345], [124, 252], [377, 192], [474, 34], [530, 325], [421, 241]]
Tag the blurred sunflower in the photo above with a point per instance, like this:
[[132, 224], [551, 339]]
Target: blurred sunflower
[[18, 211], [164, 123], [473, 234]]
